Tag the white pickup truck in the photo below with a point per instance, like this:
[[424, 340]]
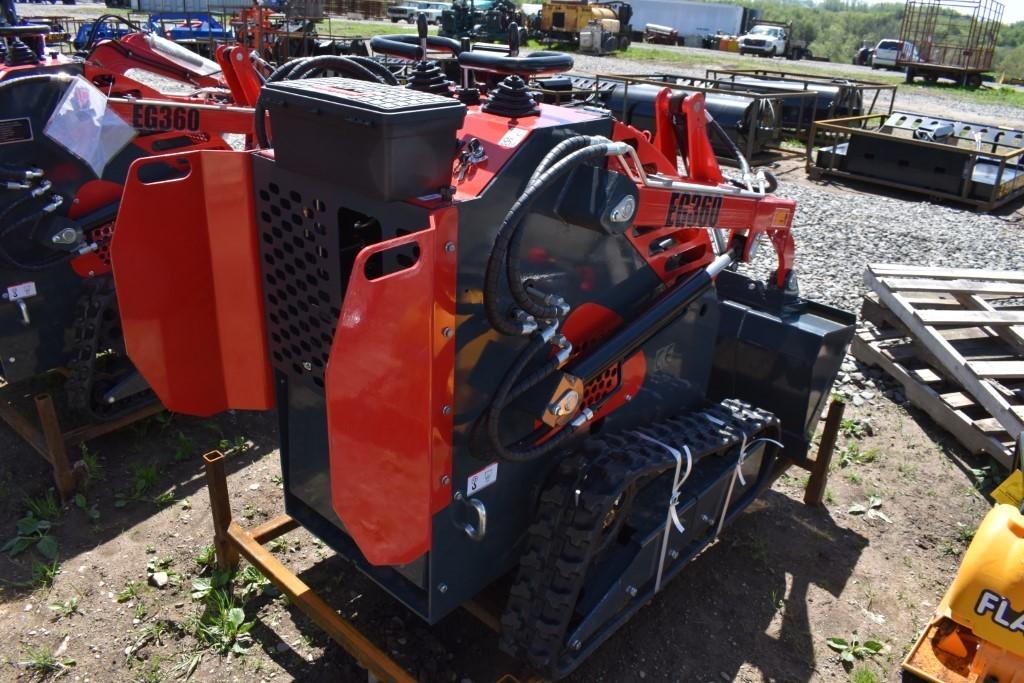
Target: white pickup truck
[[408, 11], [767, 39]]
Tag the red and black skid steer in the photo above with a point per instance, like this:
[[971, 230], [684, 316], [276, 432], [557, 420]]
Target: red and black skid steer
[[69, 130], [501, 337]]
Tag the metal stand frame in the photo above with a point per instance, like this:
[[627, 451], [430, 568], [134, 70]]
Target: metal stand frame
[[232, 541], [52, 443]]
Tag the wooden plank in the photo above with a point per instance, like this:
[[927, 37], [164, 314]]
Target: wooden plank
[[901, 270], [926, 376], [931, 316], [952, 362], [958, 400], [954, 286], [999, 369], [927, 399], [1014, 335]]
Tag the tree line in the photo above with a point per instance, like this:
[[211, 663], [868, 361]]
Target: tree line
[[838, 28]]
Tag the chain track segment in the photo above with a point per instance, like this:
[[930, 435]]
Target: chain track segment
[[572, 512]]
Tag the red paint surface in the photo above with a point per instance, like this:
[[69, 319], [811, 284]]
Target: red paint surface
[[389, 435], [188, 284]]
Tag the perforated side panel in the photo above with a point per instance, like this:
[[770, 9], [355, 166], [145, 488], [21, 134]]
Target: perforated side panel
[[302, 279], [602, 386]]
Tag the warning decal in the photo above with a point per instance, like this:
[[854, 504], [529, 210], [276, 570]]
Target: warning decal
[[15, 130]]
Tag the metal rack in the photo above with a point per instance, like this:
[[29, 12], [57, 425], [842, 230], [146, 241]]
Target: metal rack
[[49, 439], [851, 97], [975, 163], [763, 119]]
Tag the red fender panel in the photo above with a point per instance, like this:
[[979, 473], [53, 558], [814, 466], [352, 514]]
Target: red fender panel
[[187, 272], [389, 385]]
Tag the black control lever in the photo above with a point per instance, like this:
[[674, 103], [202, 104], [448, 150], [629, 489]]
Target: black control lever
[[513, 39], [421, 30]]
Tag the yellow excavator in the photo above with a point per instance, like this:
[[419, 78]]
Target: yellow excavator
[[977, 633]]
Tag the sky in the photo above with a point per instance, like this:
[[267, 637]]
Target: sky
[[1013, 10]]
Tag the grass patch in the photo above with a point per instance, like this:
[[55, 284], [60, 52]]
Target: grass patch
[[1003, 96]]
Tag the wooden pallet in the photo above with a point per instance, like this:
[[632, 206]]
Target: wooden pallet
[[959, 357]]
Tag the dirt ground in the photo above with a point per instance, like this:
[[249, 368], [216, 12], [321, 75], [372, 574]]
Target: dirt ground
[[757, 606]]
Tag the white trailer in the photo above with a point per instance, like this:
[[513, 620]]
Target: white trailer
[[691, 20]]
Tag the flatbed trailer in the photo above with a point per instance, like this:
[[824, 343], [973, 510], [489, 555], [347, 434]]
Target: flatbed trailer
[[954, 39]]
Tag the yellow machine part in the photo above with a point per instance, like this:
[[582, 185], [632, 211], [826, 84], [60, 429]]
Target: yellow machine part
[[978, 632], [571, 17], [729, 44]]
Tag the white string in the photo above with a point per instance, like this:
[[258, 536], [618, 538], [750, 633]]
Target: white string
[[677, 484]]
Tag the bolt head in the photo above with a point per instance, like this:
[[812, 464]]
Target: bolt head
[[446, 332], [631, 590], [11, 359], [446, 410], [449, 247], [458, 495], [442, 588], [674, 554], [576, 645], [307, 366], [445, 480]]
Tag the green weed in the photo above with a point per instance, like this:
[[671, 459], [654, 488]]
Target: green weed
[[91, 511], [222, 626], [851, 428], [44, 574], [851, 650], [42, 663], [862, 674], [45, 507], [184, 449], [32, 531], [131, 591], [65, 608], [206, 559], [93, 469], [870, 509]]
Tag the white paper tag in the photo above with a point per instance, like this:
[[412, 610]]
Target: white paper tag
[[22, 290], [512, 138], [482, 479]]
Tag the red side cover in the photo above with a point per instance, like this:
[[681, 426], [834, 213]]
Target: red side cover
[[388, 382], [186, 268]]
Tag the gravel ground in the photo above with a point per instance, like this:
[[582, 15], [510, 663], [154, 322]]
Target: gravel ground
[[916, 99], [839, 230]]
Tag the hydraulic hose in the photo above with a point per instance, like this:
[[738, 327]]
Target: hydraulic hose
[[510, 234], [383, 74], [772, 181], [334, 63], [51, 261], [561, 149], [510, 388], [97, 23]]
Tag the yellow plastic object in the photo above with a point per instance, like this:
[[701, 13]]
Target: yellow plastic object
[[978, 632], [987, 595], [729, 44]]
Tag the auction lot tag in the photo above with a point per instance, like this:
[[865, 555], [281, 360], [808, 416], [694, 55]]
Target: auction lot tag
[[1011, 491], [482, 479], [22, 290]]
